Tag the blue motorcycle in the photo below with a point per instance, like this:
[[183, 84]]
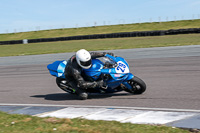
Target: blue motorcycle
[[113, 70]]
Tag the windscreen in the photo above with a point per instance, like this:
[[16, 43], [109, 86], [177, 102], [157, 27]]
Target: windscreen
[[108, 62]]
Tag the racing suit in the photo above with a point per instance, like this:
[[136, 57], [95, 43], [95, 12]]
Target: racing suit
[[74, 76]]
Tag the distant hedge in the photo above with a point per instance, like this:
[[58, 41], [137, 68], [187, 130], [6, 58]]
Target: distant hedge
[[110, 35]]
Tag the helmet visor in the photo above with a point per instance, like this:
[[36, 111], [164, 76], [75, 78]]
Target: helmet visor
[[87, 63]]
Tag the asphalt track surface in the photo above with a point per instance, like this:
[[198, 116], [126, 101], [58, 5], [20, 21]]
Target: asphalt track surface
[[172, 76]]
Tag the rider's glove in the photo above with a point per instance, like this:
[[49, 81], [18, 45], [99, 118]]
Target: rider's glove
[[108, 53]]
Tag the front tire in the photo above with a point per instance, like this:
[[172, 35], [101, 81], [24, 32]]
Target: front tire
[[138, 86]]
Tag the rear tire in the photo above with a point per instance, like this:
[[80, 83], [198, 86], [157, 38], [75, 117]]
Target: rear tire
[[58, 81], [61, 83], [138, 86]]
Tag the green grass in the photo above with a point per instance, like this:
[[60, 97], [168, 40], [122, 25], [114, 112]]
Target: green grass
[[102, 30], [28, 124], [99, 44]]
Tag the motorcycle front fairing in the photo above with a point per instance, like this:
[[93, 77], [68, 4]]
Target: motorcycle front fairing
[[119, 74], [122, 67]]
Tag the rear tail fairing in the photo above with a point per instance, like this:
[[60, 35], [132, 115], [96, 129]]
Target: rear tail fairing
[[57, 68]]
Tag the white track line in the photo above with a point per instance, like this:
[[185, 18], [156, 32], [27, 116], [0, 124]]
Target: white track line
[[90, 106]]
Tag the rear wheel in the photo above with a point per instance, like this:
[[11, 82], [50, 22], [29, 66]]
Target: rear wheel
[[137, 84], [62, 85]]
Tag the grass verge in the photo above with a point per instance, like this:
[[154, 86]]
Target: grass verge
[[99, 44], [28, 124], [102, 30]]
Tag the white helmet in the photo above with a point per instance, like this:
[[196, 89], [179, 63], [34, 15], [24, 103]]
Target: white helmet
[[83, 58]]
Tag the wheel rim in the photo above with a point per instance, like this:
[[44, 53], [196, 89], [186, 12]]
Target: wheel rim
[[135, 86]]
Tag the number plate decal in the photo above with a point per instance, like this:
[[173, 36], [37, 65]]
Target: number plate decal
[[121, 67]]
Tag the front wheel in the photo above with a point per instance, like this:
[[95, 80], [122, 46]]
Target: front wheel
[[137, 84]]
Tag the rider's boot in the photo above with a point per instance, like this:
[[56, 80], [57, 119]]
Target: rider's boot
[[82, 94]]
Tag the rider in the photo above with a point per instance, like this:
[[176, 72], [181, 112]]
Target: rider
[[73, 71]]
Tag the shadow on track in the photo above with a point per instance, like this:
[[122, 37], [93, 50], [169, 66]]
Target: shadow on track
[[66, 96]]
